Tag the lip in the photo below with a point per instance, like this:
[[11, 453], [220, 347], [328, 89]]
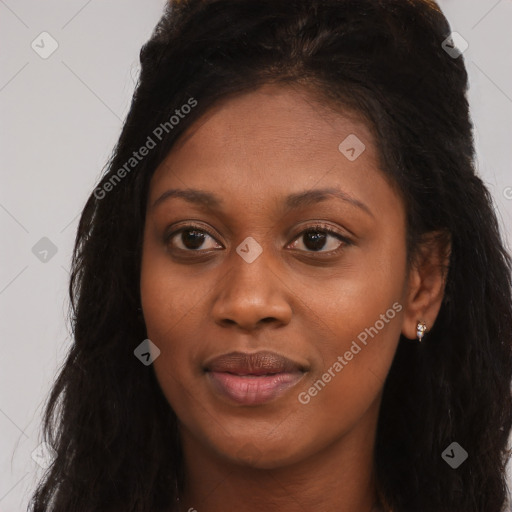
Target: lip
[[252, 379]]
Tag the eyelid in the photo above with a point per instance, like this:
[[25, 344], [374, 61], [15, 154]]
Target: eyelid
[[175, 229], [320, 226]]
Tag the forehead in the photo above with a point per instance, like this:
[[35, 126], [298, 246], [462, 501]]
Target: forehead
[[289, 113], [273, 118], [276, 139]]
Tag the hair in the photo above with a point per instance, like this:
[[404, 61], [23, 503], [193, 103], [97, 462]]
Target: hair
[[115, 436]]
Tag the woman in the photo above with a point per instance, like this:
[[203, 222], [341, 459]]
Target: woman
[[289, 289]]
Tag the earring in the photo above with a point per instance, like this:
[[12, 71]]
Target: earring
[[421, 329]]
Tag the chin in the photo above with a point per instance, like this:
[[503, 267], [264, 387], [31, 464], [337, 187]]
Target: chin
[[259, 455]]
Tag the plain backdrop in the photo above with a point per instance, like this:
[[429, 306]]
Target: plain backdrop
[[60, 118]]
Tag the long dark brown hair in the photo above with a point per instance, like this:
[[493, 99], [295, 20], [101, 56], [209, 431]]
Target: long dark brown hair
[[114, 434]]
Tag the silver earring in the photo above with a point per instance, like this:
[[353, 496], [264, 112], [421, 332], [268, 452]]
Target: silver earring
[[421, 329]]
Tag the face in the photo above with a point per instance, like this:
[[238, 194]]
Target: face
[[274, 288]]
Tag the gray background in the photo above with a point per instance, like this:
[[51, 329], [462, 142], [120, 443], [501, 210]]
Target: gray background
[[60, 118]]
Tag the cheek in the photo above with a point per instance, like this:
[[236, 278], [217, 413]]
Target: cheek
[[368, 287], [358, 317], [353, 364], [165, 297], [167, 305]]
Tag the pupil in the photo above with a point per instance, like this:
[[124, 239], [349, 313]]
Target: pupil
[[317, 238], [194, 241]]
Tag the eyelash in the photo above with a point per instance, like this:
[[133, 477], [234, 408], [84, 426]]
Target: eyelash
[[320, 228]]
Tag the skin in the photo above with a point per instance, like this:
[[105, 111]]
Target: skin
[[252, 151]]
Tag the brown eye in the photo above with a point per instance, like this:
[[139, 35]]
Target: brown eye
[[190, 238], [317, 238]]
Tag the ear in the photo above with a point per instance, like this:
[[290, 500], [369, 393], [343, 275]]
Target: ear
[[426, 282]]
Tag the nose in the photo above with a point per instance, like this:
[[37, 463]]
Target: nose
[[252, 295]]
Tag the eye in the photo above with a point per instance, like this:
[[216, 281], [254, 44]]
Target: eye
[[316, 238], [192, 239]]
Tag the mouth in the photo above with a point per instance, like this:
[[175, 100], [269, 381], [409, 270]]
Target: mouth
[[253, 379]]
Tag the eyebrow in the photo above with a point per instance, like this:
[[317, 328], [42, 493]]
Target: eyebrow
[[293, 201]]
